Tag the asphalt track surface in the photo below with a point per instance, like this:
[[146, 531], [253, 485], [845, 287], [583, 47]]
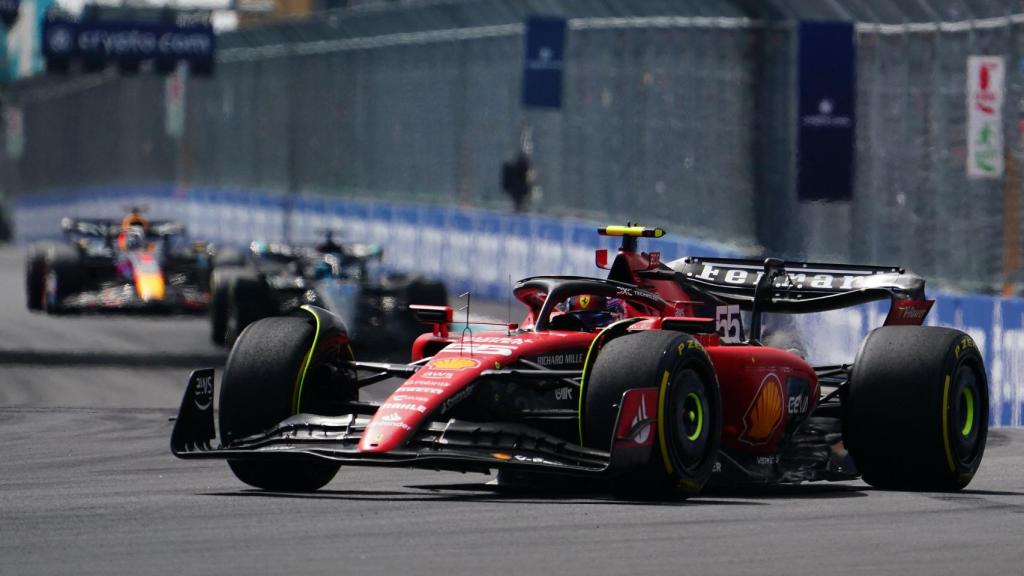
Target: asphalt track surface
[[87, 486]]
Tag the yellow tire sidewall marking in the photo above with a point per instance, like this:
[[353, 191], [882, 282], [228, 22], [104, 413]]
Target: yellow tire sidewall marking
[[662, 423], [945, 424]]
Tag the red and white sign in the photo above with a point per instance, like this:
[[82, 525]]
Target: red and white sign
[[14, 123], [985, 82], [174, 102]]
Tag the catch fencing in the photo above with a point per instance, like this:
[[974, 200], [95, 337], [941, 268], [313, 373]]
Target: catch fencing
[[681, 120], [674, 113], [392, 123], [430, 117]]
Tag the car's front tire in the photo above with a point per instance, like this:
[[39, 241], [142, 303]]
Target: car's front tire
[[62, 277], [688, 412], [262, 386]]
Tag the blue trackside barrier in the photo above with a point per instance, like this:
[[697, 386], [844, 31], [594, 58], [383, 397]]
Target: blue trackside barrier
[[475, 250], [478, 251]]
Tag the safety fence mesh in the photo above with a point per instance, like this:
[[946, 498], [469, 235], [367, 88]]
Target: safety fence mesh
[[686, 120]]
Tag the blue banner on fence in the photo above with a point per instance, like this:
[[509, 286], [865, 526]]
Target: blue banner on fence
[[827, 75], [9, 11], [544, 61]]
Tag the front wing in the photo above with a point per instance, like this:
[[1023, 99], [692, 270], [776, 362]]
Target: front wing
[[122, 298], [453, 445]]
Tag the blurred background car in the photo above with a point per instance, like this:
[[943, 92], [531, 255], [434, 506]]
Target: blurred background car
[[271, 279], [104, 266]]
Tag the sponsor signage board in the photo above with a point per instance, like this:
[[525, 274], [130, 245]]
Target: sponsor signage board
[[9, 11], [544, 62], [985, 82], [188, 39], [825, 144], [14, 131]]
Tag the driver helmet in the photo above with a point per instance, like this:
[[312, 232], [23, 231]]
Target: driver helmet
[[594, 311], [322, 269], [134, 218], [134, 237], [259, 249]]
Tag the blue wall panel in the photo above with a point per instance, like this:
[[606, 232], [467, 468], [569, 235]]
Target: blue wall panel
[[478, 251]]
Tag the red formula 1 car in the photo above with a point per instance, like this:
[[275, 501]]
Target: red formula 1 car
[[616, 379]]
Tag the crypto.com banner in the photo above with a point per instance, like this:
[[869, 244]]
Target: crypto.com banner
[[188, 37], [985, 80]]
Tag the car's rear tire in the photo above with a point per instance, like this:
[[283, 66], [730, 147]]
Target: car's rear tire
[[227, 256], [419, 291], [426, 291], [249, 300], [915, 416], [258, 391], [395, 281], [35, 278], [222, 281], [689, 409]]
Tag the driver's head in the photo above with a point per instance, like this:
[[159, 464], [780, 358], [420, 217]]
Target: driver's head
[[134, 237], [586, 303], [322, 269], [134, 218], [594, 311], [259, 248]]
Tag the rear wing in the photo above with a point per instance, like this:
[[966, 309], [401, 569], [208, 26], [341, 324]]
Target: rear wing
[[792, 287], [89, 227], [105, 228]]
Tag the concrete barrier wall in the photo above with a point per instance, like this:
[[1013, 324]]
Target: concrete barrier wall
[[480, 251]]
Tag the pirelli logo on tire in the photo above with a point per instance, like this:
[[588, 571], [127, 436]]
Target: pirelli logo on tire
[[966, 343], [690, 345]]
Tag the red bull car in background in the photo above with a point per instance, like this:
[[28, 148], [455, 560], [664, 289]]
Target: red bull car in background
[[131, 265], [619, 380]]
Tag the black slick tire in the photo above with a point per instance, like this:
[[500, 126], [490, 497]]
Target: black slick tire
[[35, 278], [689, 410], [228, 257], [63, 276], [915, 416], [425, 291], [249, 300], [221, 284], [257, 392]]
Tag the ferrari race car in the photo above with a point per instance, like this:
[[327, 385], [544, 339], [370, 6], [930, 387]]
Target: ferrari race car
[[616, 380], [275, 279], [132, 265]]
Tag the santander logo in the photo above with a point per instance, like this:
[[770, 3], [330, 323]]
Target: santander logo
[[641, 415]]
